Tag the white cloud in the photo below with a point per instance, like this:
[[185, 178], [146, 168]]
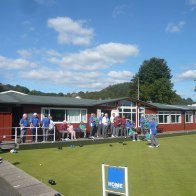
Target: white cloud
[[6, 63], [112, 81], [64, 77], [24, 53], [87, 69], [120, 10], [70, 31], [192, 2], [172, 28], [188, 75], [53, 53], [120, 74], [96, 58], [28, 25], [77, 80]]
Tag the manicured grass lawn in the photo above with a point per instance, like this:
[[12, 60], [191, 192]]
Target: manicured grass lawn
[[169, 170]]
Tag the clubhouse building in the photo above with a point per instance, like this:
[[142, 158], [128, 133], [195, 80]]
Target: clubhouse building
[[13, 104]]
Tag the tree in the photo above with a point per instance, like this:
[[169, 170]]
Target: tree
[[1, 87], [154, 82], [22, 89]]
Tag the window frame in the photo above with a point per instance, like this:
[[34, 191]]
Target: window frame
[[82, 113], [190, 114], [167, 117]]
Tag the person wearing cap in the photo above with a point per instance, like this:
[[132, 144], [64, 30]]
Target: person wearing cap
[[34, 124]]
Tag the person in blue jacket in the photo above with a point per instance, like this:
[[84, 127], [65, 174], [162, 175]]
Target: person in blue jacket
[[34, 124], [23, 128], [92, 124], [45, 127], [153, 133]]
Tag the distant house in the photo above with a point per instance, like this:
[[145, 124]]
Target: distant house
[[13, 104]]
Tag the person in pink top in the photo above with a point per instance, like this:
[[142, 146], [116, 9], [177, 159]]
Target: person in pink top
[[72, 132]]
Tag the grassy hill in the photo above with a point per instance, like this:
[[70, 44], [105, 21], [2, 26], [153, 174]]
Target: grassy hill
[[114, 91], [110, 92]]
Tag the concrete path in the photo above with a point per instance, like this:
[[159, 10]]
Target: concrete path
[[15, 182]]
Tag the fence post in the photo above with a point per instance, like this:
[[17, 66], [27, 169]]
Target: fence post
[[15, 135], [54, 134], [36, 134]]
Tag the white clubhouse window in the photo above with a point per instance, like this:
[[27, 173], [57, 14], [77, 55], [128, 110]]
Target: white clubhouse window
[[129, 109], [195, 117], [175, 117], [83, 116], [164, 117], [73, 115], [189, 117], [128, 112], [141, 111]]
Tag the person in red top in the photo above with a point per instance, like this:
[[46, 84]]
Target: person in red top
[[63, 128], [117, 124]]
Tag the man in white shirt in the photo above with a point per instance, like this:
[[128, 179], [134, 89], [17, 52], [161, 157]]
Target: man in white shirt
[[112, 125], [105, 123]]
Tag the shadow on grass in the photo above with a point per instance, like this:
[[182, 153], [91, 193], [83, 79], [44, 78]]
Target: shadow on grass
[[16, 163]]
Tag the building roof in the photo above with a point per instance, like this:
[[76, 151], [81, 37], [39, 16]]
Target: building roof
[[172, 107], [13, 97]]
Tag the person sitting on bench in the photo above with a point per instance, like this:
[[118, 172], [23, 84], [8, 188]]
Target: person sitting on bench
[[63, 129], [71, 130], [82, 127], [133, 132]]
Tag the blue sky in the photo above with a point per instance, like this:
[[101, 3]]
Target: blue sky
[[87, 45]]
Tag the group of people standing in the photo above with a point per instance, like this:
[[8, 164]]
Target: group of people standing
[[103, 126], [35, 123], [115, 126], [100, 126]]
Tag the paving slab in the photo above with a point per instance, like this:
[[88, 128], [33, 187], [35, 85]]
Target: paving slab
[[36, 189], [6, 189], [12, 177], [15, 182]]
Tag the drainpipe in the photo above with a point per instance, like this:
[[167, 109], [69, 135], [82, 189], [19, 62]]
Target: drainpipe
[[184, 121]]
